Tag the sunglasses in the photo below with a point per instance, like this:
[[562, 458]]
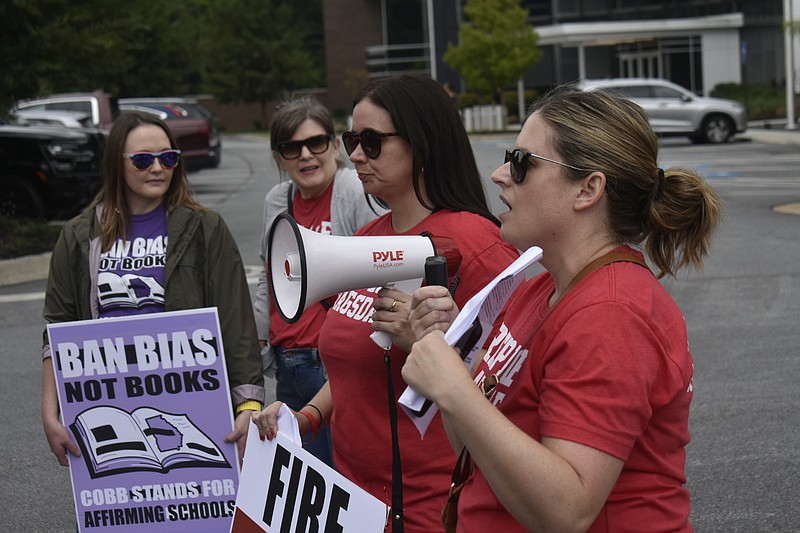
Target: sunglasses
[[369, 139], [316, 145], [168, 159], [520, 160]]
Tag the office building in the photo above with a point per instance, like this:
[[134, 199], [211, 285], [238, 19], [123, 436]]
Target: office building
[[695, 43]]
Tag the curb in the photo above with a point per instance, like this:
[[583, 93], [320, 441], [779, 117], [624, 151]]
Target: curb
[[772, 136], [24, 269]]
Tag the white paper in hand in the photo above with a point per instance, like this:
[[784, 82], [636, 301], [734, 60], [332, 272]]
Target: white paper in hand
[[479, 312], [287, 424]]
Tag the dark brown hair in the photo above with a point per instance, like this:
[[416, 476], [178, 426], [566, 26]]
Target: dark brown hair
[[426, 117]]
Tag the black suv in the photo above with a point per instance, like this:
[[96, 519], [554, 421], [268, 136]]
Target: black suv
[[48, 172]]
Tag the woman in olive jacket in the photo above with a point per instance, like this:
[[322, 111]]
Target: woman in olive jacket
[[146, 190]]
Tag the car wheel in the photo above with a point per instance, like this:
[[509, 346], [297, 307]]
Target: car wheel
[[717, 129], [19, 199]]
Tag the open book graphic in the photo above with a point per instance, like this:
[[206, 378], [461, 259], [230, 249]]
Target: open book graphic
[[113, 441], [130, 291]]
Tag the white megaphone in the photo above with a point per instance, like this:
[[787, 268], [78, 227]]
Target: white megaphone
[[306, 267]]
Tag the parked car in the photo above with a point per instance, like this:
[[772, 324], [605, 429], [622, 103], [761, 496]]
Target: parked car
[[202, 147], [100, 106], [48, 171], [196, 137], [66, 119], [674, 110]]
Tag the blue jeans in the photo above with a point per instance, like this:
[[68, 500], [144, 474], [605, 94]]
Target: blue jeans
[[300, 375]]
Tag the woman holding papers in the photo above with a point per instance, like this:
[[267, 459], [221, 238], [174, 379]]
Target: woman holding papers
[[411, 151], [145, 246], [588, 375]]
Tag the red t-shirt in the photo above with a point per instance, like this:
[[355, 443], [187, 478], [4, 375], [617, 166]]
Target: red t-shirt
[[362, 443], [610, 368], [313, 214]]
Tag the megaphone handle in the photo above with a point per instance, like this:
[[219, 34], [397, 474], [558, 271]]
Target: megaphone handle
[[436, 271], [435, 274], [381, 338]]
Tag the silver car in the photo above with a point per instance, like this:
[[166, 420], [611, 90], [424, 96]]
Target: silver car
[[674, 110]]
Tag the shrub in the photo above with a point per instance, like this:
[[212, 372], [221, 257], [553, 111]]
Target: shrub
[[761, 100], [25, 237], [469, 99]]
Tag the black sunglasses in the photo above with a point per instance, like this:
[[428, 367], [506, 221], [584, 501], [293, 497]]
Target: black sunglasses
[[369, 139], [316, 145], [520, 160], [168, 159]]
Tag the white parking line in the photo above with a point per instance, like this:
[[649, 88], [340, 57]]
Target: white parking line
[[21, 297]]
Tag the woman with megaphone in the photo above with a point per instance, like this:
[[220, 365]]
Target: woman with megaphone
[[322, 195], [583, 420], [411, 151]]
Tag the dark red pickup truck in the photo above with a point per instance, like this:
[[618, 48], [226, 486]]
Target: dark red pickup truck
[[197, 133]]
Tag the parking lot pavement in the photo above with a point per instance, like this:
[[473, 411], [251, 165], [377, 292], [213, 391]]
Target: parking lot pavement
[[776, 133]]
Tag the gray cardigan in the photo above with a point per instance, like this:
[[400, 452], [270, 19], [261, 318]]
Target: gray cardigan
[[349, 212]]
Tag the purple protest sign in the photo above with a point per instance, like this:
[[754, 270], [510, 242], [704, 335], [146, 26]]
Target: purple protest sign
[[147, 400]]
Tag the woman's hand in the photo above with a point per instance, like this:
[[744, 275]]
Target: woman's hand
[[58, 437], [239, 434], [432, 309], [391, 316], [435, 369], [60, 441], [267, 420]]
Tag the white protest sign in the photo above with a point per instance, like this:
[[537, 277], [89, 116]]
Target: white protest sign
[[282, 487]]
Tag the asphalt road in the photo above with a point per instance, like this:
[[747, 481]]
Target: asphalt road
[[743, 315]]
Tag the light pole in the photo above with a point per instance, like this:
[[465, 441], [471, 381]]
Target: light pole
[[431, 38], [789, 53]]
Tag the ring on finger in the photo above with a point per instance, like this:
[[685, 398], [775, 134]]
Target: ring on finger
[[394, 302]]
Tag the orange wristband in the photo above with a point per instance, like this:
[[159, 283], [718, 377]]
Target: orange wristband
[[313, 422]]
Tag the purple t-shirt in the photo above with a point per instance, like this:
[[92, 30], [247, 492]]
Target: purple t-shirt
[[131, 274]]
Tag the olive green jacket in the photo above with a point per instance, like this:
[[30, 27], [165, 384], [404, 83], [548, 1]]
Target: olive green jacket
[[203, 269]]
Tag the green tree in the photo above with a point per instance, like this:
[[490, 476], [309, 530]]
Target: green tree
[[150, 48], [256, 52], [21, 52], [243, 50], [146, 50], [497, 45]]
